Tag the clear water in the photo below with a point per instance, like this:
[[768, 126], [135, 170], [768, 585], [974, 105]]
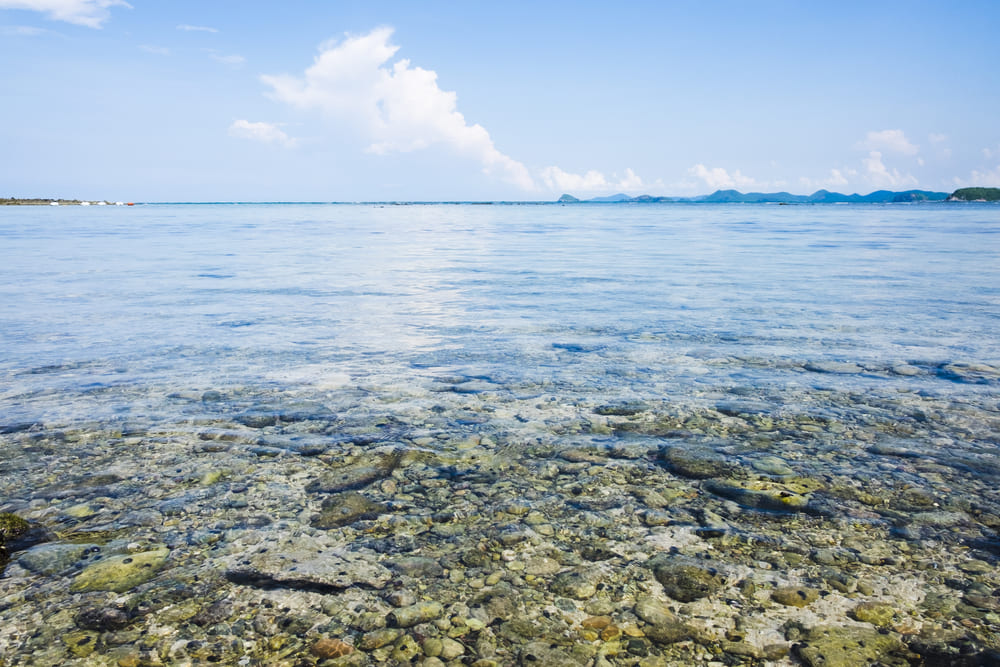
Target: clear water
[[789, 394], [105, 312]]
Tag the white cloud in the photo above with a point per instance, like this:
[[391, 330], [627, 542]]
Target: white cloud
[[935, 138], [155, 50], [882, 176], [91, 13], [557, 179], [233, 60], [267, 133], [630, 181], [982, 179], [718, 178], [893, 141], [195, 28], [836, 178], [399, 107], [22, 31]]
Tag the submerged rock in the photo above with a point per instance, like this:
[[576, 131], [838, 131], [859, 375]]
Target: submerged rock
[[696, 466], [328, 648], [358, 476], [684, 582], [877, 613], [763, 494], [343, 509], [405, 617], [829, 646], [795, 596], [308, 570], [662, 626], [550, 655], [102, 618], [54, 558], [577, 584], [837, 367], [970, 373], [11, 527], [121, 573]]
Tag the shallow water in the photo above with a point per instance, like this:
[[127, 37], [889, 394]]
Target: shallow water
[[785, 379]]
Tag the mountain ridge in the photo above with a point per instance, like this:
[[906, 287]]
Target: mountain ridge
[[737, 197]]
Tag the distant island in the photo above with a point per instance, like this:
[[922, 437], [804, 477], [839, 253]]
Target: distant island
[[818, 197], [975, 194]]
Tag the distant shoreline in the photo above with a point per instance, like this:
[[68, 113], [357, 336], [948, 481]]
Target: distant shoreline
[[977, 194], [16, 201]]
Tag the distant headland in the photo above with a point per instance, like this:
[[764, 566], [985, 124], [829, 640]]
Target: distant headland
[[818, 197], [16, 201]]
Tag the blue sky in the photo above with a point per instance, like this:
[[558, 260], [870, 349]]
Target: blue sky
[[319, 101]]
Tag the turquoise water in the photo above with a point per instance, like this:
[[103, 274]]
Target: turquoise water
[[535, 404]]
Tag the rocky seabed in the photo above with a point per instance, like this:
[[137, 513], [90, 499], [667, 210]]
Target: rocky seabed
[[469, 522]]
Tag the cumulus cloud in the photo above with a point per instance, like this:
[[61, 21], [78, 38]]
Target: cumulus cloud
[[195, 28], [557, 179], [892, 141], [718, 178], [399, 107], [882, 176], [90, 13], [267, 133]]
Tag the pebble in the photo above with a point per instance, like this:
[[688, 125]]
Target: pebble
[[328, 648], [421, 612]]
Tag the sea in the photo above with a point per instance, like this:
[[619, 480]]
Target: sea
[[556, 403]]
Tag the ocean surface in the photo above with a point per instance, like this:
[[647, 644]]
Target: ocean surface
[[185, 377]]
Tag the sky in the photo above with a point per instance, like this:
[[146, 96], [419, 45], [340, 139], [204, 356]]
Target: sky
[[316, 100]]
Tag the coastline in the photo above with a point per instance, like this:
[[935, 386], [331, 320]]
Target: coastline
[[31, 201]]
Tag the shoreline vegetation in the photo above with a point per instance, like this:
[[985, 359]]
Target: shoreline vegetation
[[717, 197]]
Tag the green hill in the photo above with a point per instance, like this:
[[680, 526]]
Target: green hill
[[975, 194]]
